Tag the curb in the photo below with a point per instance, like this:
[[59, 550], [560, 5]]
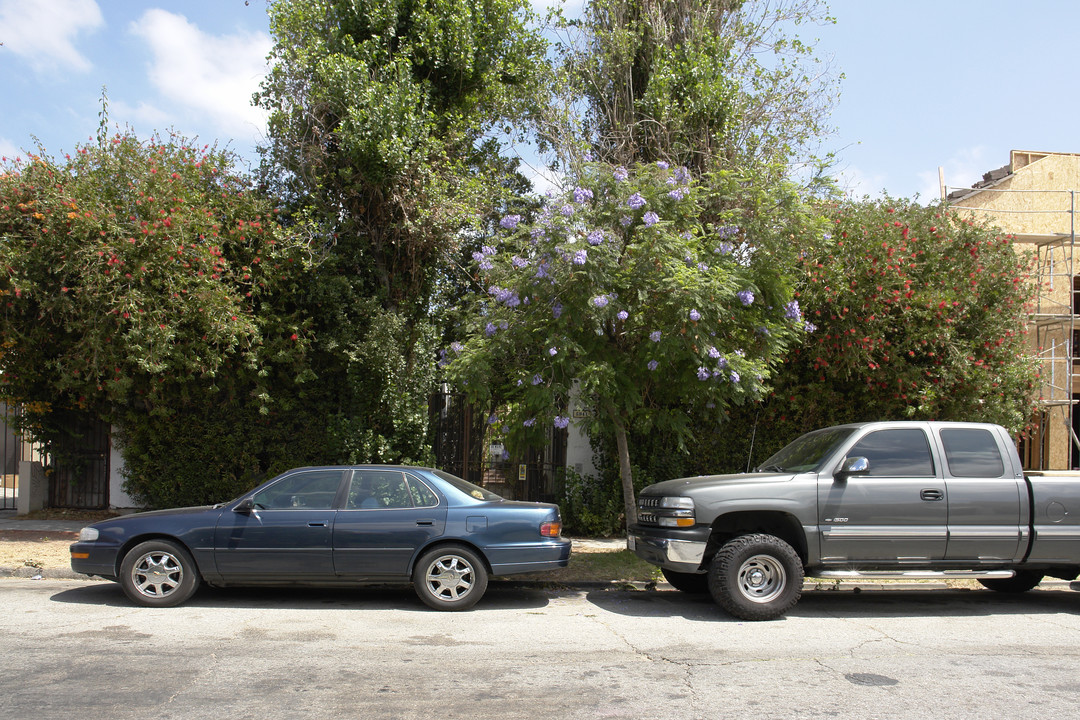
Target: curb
[[35, 573]]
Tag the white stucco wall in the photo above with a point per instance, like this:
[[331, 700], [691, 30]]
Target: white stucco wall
[[117, 497]]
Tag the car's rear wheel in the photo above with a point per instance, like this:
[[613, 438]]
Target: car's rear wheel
[[450, 577], [159, 573], [1022, 581], [756, 577], [693, 583]]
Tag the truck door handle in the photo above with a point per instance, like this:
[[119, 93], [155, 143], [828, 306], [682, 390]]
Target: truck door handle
[[932, 494]]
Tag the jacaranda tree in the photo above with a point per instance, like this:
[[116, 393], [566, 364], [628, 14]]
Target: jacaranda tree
[[648, 290]]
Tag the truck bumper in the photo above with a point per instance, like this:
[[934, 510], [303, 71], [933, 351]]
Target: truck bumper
[[680, 554]]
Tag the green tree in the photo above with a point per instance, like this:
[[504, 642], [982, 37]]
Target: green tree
[[920, 313], [139, 278], [647, 290], [383, 123], [694, 82]]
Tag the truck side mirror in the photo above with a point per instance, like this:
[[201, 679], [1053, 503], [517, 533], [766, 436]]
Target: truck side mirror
[[852, 466]]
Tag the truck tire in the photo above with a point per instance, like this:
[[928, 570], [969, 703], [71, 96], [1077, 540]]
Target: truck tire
[[756, 577], [693, 583], [1022, 581]]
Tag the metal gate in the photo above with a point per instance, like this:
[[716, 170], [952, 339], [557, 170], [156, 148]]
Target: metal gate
[[463, 447], [79, 476]]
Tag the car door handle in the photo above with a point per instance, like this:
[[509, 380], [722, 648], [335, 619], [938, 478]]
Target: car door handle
[[932, 494], [426, 523], [318, 523]]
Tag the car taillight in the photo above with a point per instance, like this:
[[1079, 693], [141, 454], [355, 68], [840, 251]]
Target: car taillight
[[550, 529]]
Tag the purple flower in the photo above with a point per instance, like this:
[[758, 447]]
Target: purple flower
[[721, 363], [635, 201], [542, 270], [792, 311], [695, 315], [651, 218], [702, 374], [490, 329], [746, 297], [582, 195], [561, 422], [580, 257], [679, 193], [623, 315], [556, 310], [456, 347], [714, 353], [810, 327], [600, 301], [703, 267], [519, 262], [567, 210], [596, 237], [537, 380], [727, 231], [510, 221], [553, 351], [620, 174], [724, 249], [492, 419], [661, 164], [682, 174], [734, 377], [653, 364], [625, 220], [530, 422], [655, 336]]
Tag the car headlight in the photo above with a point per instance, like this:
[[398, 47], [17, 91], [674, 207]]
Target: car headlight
[[676, 512], [88, 534]]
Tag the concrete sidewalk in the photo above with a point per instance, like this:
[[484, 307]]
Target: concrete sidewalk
[[12, 522]]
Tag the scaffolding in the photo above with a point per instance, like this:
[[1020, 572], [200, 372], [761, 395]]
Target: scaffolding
[[1054, 321]]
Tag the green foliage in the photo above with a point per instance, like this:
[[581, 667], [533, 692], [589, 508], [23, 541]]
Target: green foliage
[[591, 506], [134, 270], [920, 313]]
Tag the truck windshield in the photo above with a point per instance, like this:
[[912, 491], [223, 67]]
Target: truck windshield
[[808, 452]]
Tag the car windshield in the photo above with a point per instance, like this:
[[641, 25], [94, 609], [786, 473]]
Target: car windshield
[[473, 491], [808, 452]]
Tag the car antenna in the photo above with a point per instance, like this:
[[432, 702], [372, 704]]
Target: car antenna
[[750, 455]]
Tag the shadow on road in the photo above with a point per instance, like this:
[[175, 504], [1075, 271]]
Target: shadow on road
[[380, 597], [847, 603]]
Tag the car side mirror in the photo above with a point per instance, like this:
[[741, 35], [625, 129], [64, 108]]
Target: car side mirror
[[852, 466], [245, 506]]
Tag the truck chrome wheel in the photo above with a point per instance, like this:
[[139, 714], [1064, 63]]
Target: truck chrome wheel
[[756, 577], [762, 578]]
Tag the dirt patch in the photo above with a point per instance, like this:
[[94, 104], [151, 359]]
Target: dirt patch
[[46, 552]]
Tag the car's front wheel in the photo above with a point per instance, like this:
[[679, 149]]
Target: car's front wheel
[[159, 573], [756, 577], [450, 577]]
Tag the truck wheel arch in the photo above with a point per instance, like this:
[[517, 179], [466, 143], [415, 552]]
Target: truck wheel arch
[[777, 523]]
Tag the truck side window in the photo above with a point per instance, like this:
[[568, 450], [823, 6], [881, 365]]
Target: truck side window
[[896, 453], [972, 452]]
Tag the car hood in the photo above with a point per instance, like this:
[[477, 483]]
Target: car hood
[[703, 482], [158, 513]]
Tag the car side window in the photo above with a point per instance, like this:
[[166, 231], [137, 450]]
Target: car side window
[[972, 452], [378, 489], [309, 489], [898, 452], [422, 495]]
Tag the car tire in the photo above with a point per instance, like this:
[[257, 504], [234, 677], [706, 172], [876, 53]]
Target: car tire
[[1022, 581], [159, 573], [756, 577], [450, 577], [692, 583]]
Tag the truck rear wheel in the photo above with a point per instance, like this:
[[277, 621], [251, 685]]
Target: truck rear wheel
[[756, 577], [1022, 581]]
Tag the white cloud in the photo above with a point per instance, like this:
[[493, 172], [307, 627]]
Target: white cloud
[[965, 167], [210, 76], [8, 149], [855, 183], [43, 32]]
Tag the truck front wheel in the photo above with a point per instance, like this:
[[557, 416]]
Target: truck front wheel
[[756, 577]]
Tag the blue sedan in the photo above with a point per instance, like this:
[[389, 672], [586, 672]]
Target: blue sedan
[[330, 526]]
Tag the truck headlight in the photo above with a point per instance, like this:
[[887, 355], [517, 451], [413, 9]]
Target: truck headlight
[[676, 512]]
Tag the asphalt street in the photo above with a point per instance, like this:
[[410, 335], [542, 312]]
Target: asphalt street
[[79, 649]]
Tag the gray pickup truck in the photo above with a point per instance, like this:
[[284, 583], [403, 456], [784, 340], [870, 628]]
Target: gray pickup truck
[[882, 499]]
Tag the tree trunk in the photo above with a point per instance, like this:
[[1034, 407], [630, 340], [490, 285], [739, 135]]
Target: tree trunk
[[629, 501]]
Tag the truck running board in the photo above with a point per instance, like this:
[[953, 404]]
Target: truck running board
[[914, 574]]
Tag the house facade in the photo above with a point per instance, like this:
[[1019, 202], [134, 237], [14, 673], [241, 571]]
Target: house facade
[[1035, 198]]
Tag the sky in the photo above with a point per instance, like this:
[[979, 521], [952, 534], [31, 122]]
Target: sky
[[926, 83]]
